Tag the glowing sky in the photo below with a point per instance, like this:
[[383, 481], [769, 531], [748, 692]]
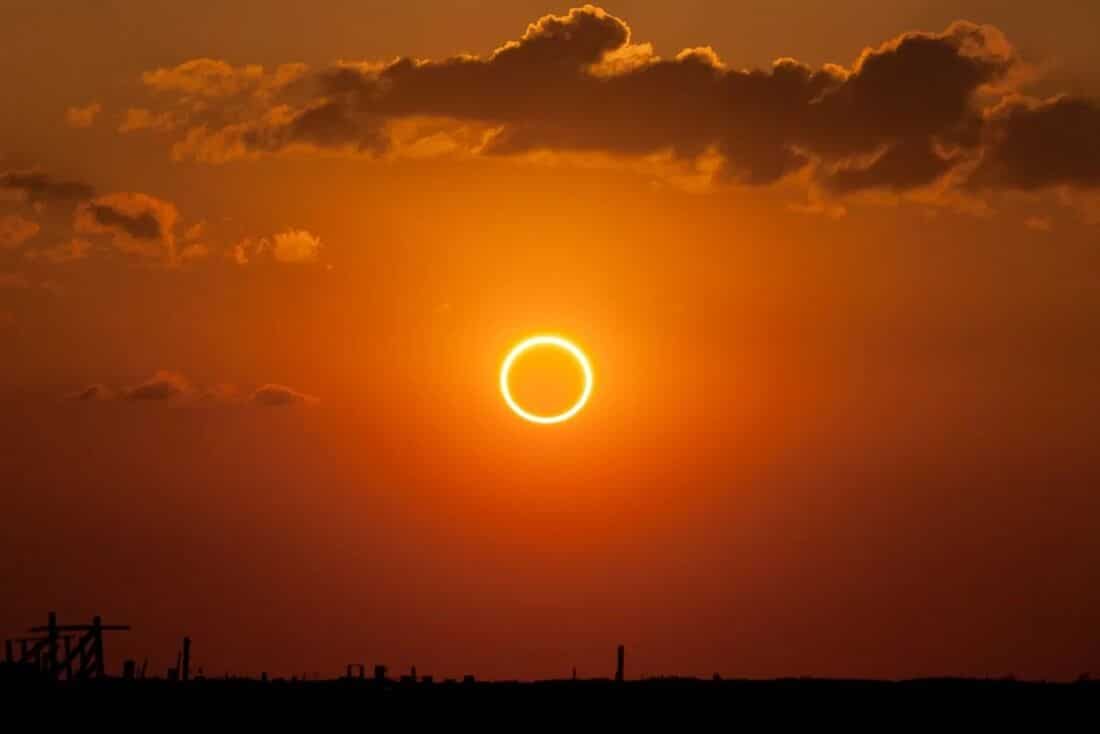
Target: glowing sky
[[835, 267]]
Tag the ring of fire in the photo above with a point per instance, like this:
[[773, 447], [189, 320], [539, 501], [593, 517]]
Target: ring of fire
[[540, 341]]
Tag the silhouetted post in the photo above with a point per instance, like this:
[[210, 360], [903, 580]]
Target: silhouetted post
[[9, 651], [97, 644], [379, 673], [185, 673], [413, 673], [68, 657], [51, 650], [619, 666], [128, 669]]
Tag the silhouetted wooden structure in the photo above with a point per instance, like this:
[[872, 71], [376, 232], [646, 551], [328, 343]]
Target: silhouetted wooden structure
[[83, 651]]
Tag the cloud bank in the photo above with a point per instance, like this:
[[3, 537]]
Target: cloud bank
[[917, 110], [170, 386]]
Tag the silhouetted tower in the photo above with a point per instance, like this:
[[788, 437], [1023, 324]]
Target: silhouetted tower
[[185, 671], [619, 665]]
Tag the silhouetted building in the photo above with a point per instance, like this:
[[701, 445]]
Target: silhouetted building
[[619, 667]]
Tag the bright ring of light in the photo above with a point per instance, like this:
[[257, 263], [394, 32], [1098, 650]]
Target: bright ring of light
[[540, 341]]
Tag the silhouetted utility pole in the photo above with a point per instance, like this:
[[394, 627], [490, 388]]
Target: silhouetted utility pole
[[185, 673], [619, 667]]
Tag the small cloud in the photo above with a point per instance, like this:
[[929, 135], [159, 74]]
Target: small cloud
[[275, 396], [1039, 224], [137, 118], [194, 232], [15, 230], [83, 116], [164, 385], [137, 223], [194, 251], [92, 392], [248, 249], [296, 246]]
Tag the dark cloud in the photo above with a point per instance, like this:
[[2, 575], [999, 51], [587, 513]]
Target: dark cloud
[[903, 115], [36, 186], [898, 167], [163, 385], [275, 396], [137, 223], [143, 225], [1034, 144]]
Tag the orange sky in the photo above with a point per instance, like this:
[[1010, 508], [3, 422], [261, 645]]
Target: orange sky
[[258, 271]]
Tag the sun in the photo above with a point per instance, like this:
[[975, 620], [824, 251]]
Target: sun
[[544, 340]]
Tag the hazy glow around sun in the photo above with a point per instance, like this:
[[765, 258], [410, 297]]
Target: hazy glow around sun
[[540, 341]]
